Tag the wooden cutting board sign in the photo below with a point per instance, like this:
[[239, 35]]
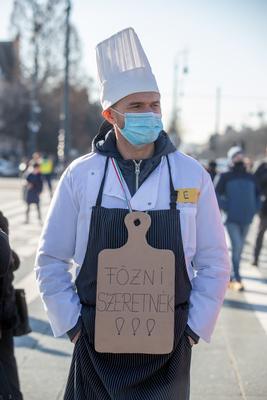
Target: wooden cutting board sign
[[135, 294]]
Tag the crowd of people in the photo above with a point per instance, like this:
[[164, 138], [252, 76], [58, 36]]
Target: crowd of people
[[241, 194]]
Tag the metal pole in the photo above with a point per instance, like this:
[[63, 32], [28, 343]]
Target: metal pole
[[218, 110], [34, 124], [67, 142], [175, 128], [175, 91], [180, 68]]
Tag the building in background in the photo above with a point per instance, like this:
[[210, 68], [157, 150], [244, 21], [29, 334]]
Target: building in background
[[9, 61], [10, 80]]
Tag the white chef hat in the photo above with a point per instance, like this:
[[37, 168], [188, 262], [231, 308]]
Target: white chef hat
[[123, 68]]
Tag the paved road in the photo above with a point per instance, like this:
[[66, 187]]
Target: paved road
[[232, 367]]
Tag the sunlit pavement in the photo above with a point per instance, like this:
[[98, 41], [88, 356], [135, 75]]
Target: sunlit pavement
[[233, 366]]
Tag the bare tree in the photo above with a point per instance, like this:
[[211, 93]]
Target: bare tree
[[40, 25], [14, 110], [35, 102]]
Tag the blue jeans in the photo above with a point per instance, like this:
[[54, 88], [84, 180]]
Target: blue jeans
[[237, 234]]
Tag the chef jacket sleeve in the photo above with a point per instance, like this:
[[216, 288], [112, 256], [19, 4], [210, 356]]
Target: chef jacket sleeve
[[54, 259], [211, 263]]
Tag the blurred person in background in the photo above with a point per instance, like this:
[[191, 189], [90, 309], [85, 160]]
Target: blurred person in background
[[212, 169], [26, 164], [248, 164], [8, 316], [261, 178], [46, 169], [34, 187], [238, 196], [36, 158]]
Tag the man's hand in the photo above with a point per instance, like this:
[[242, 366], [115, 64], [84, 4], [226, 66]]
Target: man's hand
[[76, 337]]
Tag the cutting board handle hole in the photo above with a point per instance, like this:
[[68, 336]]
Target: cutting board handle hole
[[137, 222]]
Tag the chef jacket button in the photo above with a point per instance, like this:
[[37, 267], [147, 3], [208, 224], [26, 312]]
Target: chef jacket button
[[92, 173], [149, 203]]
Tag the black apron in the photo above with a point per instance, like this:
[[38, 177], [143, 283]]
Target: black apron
[[106, 376]]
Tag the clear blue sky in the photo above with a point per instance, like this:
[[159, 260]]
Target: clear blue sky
[[226, 40]]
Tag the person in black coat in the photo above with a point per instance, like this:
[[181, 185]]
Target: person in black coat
[[33, 190], [261, 178], [5, 253], [9, 262], [212, 169]]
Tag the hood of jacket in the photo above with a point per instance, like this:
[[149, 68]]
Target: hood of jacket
[[104, 143]]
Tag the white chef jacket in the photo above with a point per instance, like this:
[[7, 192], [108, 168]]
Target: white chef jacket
[[66, 230]]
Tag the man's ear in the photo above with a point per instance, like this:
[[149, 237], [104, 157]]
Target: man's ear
[[108, 116]]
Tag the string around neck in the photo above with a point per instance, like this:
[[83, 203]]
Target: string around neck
[[121, 180]]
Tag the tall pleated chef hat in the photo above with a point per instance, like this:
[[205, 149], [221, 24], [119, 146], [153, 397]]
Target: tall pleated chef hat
[[123, 68]]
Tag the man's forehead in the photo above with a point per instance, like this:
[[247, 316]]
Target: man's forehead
[[143, 97]]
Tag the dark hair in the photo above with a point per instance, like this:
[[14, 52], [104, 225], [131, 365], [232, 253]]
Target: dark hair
[[35, 165], [212, 164]]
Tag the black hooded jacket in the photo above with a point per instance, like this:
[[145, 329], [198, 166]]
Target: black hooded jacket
[[105, 143], [5, 253], [8, 310]]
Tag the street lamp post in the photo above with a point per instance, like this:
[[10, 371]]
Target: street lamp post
[[67, 143], [34, 123], [180, 68], [218, 110], [64, 134]]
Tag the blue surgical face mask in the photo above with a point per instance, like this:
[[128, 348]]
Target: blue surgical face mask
[[141, 128]]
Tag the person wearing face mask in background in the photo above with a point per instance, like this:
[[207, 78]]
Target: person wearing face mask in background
[[133, 166], [238, 196]]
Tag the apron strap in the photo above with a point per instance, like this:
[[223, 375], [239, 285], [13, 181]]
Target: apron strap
[[173, 192], [100, 193]]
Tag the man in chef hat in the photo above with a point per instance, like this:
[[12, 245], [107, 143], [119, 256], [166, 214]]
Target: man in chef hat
[[129, 95], [132, 166]]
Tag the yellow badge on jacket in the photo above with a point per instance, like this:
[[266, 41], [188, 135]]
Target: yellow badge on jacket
[[187, 195]]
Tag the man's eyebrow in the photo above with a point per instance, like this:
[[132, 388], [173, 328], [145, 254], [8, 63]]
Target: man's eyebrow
[[136, 103]]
